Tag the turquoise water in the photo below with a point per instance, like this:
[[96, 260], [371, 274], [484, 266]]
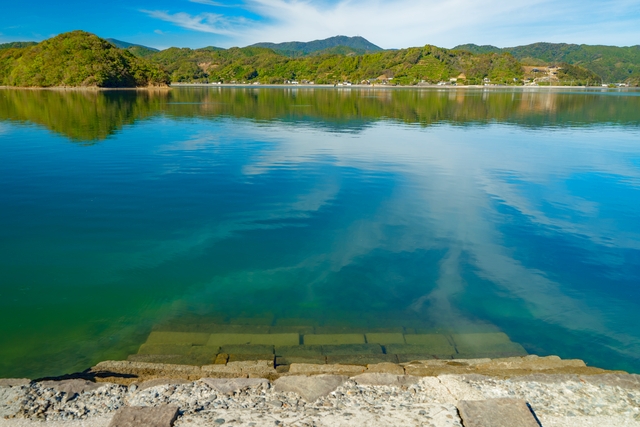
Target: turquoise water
[[453, 210]]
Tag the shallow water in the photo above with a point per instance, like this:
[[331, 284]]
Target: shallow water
[[460, 210]]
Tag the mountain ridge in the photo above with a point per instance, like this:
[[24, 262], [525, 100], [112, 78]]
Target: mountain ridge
[[358, 44]]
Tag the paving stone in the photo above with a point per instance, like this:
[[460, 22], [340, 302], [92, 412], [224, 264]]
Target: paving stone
[[333, 339], [299, 350], [247, 349], [385, 338], [147, 416], [164, 349], [385, 368], [310, 388], [351, 349], [502, 412], [406, 358], [250, 356], [378, 379], [362, 359], [313, 369], [164, 337], [235, 384], [288, 360]]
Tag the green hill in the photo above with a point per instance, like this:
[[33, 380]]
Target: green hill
[[77, 59], [405, 66], [611, 63], [295, 49], [137, 49]]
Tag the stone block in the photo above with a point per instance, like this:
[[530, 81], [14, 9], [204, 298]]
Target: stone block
[[204, 350], [147, 416], [192, 338], [385, 338], [312, 369], [362, 359], [164, 349], [239, 329], [532, 363], [333, 339], [351, 349], [310, 388], [236, 384], [385, 368], [296, 322], [251, 356], [147, 370], [504, 412], [299, 350], [276, 339], [387, 330], [154, 358], [287, 360], [432, 348], [223, 371], [406, 358], [435, 340], [480, 342], [247, 349], [221, 359], [341, 330], [254, 368], [220, 340], [301, 330]]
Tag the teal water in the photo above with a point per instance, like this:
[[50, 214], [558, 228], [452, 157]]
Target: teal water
[[454, 210]]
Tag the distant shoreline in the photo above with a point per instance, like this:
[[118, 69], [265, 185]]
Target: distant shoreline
[[317, 86]]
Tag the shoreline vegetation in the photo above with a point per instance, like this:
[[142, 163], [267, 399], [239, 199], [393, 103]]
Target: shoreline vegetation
[[83, 60]]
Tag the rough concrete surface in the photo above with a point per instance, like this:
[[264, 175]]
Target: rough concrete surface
[[503, 412], [145, 416]]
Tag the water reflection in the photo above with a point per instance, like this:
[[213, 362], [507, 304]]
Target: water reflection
[[524, 219], [90, 116]]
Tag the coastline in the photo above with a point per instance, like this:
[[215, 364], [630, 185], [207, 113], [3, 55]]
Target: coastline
[[326, 86], [547, 391]]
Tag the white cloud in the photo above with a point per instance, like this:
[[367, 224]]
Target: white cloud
[[205, 22], [404, 23]]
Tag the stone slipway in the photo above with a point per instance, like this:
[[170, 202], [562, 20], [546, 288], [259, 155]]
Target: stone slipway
[[524, 391]]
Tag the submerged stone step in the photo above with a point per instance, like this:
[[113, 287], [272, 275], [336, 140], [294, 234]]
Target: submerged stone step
[[287, 360], [240, 357], [351, 349], [247, 349], [299, 350], [496, 344], [254, 339], [434, 350], [164, 348], [329, 339], [165, 337], [434, 340], [362, 359], [385, 338]]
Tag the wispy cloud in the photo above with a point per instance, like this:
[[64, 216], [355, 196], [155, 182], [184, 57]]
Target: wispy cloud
[[214, 3], [205, 22]]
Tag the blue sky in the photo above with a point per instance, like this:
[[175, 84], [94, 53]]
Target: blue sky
[[389, 24]]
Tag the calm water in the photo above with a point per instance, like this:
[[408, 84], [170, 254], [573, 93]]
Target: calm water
[[458, 210]]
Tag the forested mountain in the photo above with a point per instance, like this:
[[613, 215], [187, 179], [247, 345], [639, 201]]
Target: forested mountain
[[611, 63], [77, 59], [137, 49], [358, 45], [12, 45], [404, 66]]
